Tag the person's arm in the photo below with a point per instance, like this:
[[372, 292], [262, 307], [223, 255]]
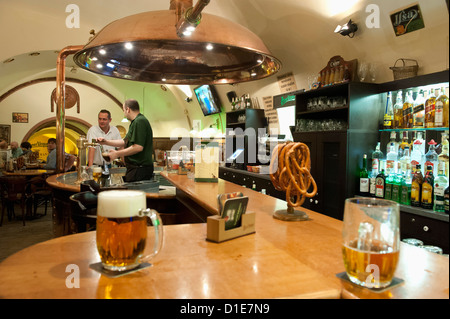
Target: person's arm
[[133, 149], [51, 161], [116, 143], [91, 154]]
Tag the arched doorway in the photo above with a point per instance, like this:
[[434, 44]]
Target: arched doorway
[[38, 135]]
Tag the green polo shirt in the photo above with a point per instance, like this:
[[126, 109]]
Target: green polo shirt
[[140, 132]]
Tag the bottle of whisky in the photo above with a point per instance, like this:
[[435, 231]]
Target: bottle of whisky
[[419, 110], [440, 184], [416, 187], [364, 178], [429, 109], [380, 184], [427, 189], [408, 111], [441, 100], [398, 111], [388, 113]]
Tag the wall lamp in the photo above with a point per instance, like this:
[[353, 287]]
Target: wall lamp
[[347, 29]]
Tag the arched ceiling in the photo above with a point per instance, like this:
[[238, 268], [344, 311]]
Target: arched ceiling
[[299, 33]]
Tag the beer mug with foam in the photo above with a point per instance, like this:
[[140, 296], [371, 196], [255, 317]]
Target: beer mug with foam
[[122, 229], [371, 241]]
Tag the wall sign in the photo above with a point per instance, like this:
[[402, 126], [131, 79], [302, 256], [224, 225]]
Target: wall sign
[[287, 82], [407, 20]]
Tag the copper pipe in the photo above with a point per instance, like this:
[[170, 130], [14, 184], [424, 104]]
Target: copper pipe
[[197, 10], [180, 6], [61, 101]]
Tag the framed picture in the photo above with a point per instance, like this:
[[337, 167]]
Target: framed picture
[[5, 132], [19, 117]]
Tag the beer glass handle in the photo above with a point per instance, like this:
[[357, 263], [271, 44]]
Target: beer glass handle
[[159, 233]]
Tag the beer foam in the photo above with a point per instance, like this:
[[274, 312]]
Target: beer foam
[[120, 203]]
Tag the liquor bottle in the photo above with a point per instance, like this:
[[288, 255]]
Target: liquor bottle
[[388, 113], [398, 111], [391, 159], [446, 119], [233, 104], [405, 161], [393, 139], [380, 184], [443, 157], [389, 184], [364, 178], [372, 183], [397, 185], [408, 111], [377, 155], [403, 144], [429, 109], [405, 193], [446, 200], [440, 184], [431, 157], [427, 189], [441, 100], [416, 187], [419, 110]]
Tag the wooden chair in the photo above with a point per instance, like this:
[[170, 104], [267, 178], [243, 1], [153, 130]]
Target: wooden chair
[[13, 189]]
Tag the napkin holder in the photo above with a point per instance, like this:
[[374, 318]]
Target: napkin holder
[[215, 228]]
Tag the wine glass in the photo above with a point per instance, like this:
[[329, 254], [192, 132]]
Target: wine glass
[[362, 71]]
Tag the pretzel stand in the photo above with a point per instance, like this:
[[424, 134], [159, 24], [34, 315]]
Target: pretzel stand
[[289, 172]]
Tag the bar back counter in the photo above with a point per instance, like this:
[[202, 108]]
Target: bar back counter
[[280, 260]]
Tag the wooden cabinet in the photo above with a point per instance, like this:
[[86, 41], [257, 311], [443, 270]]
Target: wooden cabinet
[[242, 129], [337, 135]]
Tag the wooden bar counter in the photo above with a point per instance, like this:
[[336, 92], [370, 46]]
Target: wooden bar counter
[[281, 260]]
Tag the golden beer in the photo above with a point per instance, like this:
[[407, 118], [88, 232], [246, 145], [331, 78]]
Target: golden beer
[[121, 241], [374, 268], [96, 173], [121, 228]]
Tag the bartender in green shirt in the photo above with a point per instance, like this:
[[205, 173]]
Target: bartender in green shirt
[[136, 147]]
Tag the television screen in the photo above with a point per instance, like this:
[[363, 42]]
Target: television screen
[[208, 99]]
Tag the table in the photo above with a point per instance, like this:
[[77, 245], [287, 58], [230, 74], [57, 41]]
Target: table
[[281, 260], [29, 172]]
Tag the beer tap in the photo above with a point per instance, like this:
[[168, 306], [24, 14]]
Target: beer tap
[[82, 145]]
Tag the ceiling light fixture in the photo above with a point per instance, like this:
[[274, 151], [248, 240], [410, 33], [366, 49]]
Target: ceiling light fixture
[[347, 29], [149, 44]]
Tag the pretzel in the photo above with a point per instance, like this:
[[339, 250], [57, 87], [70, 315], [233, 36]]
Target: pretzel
[[289, 171]]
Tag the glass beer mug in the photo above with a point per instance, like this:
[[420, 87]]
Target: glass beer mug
[[122, 229], [371, 241]]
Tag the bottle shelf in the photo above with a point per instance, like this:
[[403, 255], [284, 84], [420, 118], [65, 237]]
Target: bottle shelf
[[415, 129]]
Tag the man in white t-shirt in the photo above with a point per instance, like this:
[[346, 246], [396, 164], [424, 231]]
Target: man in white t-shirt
[[102, 130]]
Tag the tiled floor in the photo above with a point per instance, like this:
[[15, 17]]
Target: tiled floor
[[14, 236]]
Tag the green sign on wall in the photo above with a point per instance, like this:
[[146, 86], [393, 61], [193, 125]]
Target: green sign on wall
[[407, 20]]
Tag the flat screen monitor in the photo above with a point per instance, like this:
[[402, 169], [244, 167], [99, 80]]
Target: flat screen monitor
[[208, 99], [235, 155]]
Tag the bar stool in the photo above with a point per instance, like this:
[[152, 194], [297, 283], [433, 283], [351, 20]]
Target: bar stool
[[13, 188]]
